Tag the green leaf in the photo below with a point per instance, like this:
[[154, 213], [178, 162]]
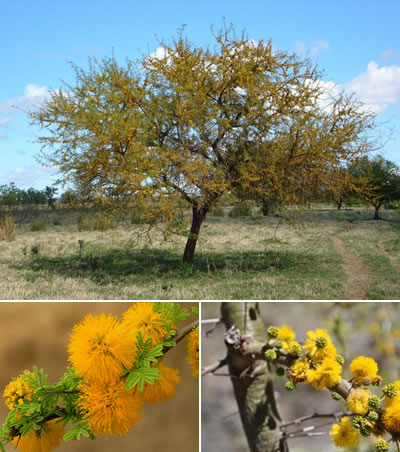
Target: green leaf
[[77, 431], [195, 310], [141, 376]]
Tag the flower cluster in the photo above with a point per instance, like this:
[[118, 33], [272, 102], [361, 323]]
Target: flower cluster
[[18, 391], [116, 368], [104, 350], [316, 362]]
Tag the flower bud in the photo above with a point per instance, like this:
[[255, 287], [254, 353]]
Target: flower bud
[[389, 391], [270, 354], [373, 402], [381, 445], [273, 331], [290, 386]]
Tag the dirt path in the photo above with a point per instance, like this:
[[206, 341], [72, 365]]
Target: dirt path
[[393, 261], [357, 275]]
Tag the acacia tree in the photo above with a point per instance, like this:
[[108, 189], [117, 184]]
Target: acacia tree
[[194, 124], [380, 181]]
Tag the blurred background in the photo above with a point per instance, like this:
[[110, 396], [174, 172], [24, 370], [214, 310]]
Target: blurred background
[[371, 329], [38, 334]]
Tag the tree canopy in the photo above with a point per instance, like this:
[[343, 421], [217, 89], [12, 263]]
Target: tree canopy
[[194, 124], [380, 181]]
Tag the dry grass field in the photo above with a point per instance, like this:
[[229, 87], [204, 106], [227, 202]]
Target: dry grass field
[[327, 254], [38, 334]]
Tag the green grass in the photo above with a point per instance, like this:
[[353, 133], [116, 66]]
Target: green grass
[[236, 258]]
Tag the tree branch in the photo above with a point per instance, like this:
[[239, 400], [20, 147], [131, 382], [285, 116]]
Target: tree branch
[[213, 367]]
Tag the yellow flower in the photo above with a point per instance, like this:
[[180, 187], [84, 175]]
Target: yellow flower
[[326, 375], [363, 368], [193, 351], [357, 401], [109, 408], [100, 348], [286, 335], [17, 391], [319, 345], [344, 435], [46, 440], [141, 317], [391, 417], [299, 371], [164, 388]]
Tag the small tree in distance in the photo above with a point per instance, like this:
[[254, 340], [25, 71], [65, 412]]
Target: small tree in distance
[[195, 124], [380, 179]]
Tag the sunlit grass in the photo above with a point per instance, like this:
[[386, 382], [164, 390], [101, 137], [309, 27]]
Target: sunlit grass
[[240, 258]]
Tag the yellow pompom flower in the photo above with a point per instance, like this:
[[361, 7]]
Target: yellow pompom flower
[[357, 401], [109, 408], [44, 440], [326, 375], [164, 388], [193, 351], [17, 391], [363, 368], [344, 434], [299, 371], [286, 335], [100, 348], [391, 417], [141, 317], [319, 345]]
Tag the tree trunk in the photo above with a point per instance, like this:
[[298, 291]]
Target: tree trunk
[[253, 386], [198, 216], [377, 215], [265, 207], [339, 203]]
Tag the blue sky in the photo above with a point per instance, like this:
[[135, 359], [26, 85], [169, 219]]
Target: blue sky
[[355, 42]]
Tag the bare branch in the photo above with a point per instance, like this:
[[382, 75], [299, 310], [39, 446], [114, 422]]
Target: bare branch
[[215, 323], [213, 367], [299, 420]]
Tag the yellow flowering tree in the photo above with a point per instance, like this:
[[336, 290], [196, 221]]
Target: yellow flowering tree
[[117, 366], [189, 125], [255, 354]]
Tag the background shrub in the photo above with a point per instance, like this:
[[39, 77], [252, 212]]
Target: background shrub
[[103, 222], [217, 211], [7, 229], [85, 222], [240, 210], [136, 217], [39, 225]]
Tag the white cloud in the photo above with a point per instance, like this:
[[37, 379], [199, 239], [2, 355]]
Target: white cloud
[[389, 55], [313, 48], [160, 53], [318, 47], [377, 87], [300, 46], [28, 176], [5, 121], [3, 137], [33, 96]]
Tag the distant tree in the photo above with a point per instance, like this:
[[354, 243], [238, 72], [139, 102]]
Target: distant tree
[[342, 188], [10, 195], [70, 198], [34, 197], [380, 179], [50, 193], [195, 124]]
